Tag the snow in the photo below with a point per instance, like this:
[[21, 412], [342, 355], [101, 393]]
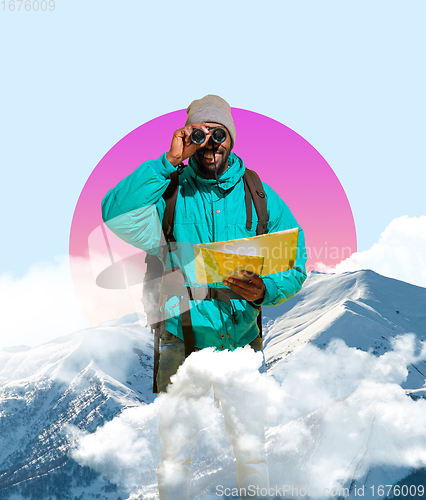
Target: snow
[[363, 308], [343, 357]]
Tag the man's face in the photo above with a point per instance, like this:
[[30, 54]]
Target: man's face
[[205, 158]]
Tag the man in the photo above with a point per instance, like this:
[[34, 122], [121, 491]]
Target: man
[[210, 206]]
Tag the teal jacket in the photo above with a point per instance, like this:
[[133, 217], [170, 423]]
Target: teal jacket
[[134, 211]]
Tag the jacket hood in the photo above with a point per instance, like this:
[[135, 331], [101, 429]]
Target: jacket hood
[[227, 179]]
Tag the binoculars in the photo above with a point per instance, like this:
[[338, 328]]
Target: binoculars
[[198, 136]]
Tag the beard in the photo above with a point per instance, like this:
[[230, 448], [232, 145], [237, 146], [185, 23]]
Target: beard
[[208, 170]]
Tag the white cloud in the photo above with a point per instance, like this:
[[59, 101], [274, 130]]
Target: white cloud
[[333, 415], [39, 306], [400, 253], [49, 301]]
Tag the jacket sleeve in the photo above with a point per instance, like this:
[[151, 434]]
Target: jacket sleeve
[[282, 286], [134, 209]]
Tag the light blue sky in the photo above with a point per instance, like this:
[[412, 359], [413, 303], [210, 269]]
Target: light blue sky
[[349, 76]]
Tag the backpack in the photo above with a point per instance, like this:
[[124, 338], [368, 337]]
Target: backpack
[[152, 298]]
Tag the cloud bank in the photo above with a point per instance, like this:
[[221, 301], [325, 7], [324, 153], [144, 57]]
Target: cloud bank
[[40, 305], [400, 253], [333, 415]]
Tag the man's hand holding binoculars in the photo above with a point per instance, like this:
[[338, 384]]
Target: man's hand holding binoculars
[[182, 146], [188, 139]]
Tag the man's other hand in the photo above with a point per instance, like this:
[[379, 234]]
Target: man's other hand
[[251, 290]]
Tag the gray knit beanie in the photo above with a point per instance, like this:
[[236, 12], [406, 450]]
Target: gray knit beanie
[[214, 109]]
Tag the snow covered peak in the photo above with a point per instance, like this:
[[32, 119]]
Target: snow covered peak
[[363, 308], [108, 346]]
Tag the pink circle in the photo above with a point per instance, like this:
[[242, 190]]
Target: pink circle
[[282, 158]]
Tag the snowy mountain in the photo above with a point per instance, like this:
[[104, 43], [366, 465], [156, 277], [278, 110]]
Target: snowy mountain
[[81, 380], [73, 411], [368, 312], [364, 309]]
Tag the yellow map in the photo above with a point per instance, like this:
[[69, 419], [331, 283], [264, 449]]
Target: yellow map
[[263, 254]]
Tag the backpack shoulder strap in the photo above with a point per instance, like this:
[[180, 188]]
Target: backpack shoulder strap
[[254, 187], [254, 190], [170, 197], [156, 266]]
